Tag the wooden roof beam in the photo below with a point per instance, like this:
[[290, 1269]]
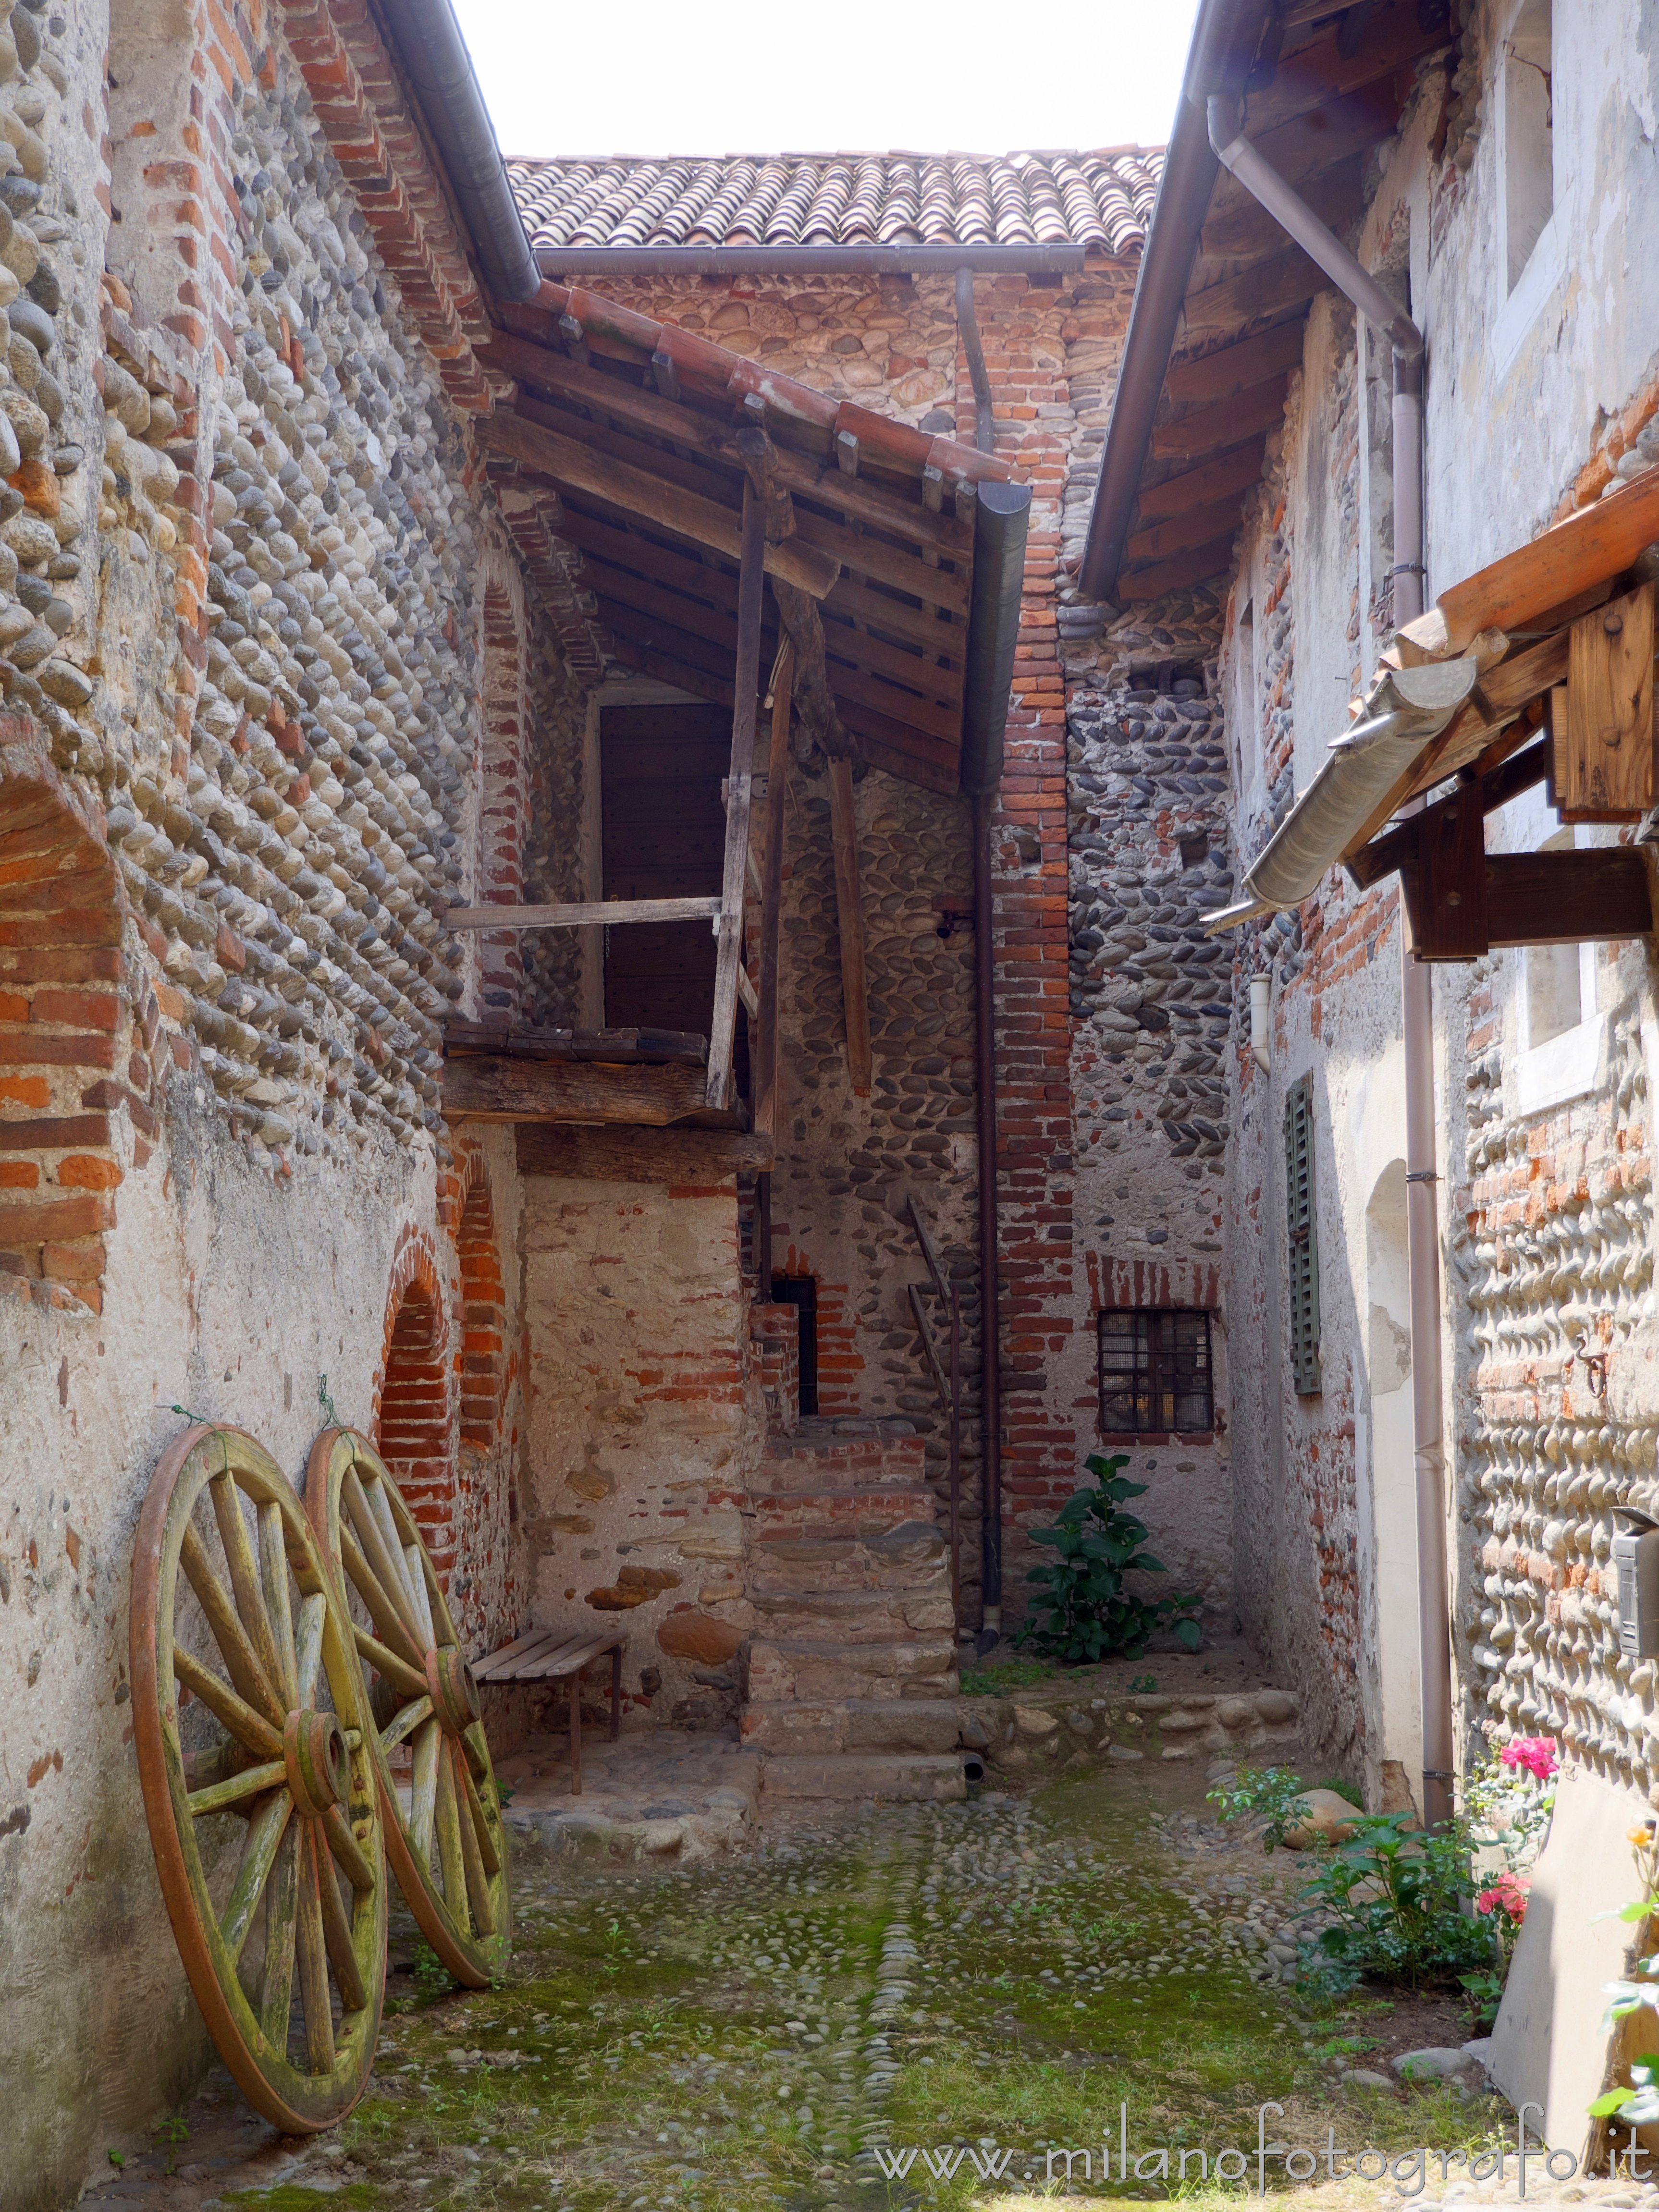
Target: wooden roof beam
[[1228, 472], [1136, 585], [1209, 429], [1235, 368], [1320, 72]]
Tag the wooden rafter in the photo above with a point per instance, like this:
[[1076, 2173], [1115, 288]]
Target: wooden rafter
[[751, 580], [764, 1119]]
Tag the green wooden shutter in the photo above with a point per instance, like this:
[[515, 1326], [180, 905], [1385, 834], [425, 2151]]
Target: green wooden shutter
[[1301, 1224]]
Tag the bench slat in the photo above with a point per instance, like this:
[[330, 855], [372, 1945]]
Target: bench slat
[[491, 1669], [569, 1658]]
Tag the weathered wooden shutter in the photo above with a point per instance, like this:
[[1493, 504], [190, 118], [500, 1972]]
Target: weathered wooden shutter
[[1303, 1230]]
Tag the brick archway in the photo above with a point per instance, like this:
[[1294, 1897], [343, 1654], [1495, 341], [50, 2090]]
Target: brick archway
[[414, 1414], [64, 1032]]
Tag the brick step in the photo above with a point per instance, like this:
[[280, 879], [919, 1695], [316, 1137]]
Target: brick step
[[914, 1778], [881, 1615], [811, 1458], [852, 1725], [921, 1667]]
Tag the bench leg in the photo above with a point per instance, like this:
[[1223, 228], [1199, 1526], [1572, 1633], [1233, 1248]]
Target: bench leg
[[616, 1692], [575, 1735]]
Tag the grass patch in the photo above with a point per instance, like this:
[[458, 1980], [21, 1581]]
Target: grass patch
[[1004, 1675]]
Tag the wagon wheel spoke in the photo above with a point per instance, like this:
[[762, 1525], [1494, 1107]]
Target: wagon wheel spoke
[[383, 1559], [254, 1684], [347, 1850], [251, 1729], [389, 1626], [313, 1618], [281, 1909], [265, 1836], [423, 1790], [311, 1947], [406, 1723], [398, 1672], [423, 1596], [489, 1855], [450, 1855], [244, 1571], [273, 1589], [336, 1938], [476, 1881], [252, 1782]]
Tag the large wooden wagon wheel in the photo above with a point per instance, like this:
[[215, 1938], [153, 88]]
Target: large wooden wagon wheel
[[235, 1621], [447, 1846]]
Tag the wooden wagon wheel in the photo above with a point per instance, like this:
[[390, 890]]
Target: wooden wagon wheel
[[449, 1847], [252, 1634]]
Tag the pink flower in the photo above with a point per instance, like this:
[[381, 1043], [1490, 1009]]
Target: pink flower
[[1537, 1753], [1507, 1894]]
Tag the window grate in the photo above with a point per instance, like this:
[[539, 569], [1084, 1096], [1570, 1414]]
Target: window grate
[[1302, 1231], [1155, 1373]]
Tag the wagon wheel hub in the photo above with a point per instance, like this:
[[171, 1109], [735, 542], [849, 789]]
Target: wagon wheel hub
[[314, 1748], [454, 1693]]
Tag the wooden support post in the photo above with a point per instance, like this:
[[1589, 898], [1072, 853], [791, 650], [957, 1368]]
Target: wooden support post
[[751, 584], [765, 1117], [849, 916]]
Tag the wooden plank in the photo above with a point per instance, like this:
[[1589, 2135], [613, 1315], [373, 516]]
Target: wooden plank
[[877, 611], [681, 1155], [1598, 542], [1446, 886], [1207, 429], [631, 652], [871, 556], [539, 1639], [1239, 228], [657, 635], [1137, 583], [575, 915], [1321, 72], [1199, 487], [938, 769], [611, 1045], [849, 916], [1235, 368], [688, 513], [1568, 898], [1606, 763], [861, 499], [507, 1090], [1372, 862], [771, 929], [751, 581], [1182, 532], [1288, 279]]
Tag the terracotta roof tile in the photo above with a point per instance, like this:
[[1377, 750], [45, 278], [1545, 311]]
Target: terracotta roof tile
[[1103, 200]]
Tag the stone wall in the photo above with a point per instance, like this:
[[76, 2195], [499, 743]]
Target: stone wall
[[244, 548]]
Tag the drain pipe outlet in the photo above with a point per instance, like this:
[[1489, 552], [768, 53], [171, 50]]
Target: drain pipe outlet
[[1261, 991], [1264, 185]]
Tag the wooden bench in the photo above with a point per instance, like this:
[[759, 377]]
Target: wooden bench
[[545, 1656]]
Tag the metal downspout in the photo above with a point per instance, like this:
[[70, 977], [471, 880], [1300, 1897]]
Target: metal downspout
[[985, 435], [1266, 186]]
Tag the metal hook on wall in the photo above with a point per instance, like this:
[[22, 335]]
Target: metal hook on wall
[[1595, 1365]]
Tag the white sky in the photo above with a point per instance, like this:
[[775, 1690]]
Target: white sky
[[661, 77]]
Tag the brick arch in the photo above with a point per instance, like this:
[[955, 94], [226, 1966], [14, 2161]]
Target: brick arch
[[482, 1360], [414, 1423], [64, 1030]]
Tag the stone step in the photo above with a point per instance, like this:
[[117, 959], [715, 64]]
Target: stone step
[[814, 1457], [875, 1507], [922, 1667], [840, 1615], [914, 1778], [823, 1563], [852, 1725]]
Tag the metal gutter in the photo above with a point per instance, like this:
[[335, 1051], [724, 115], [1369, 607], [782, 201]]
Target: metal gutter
[[1226, 39], [432, 54], [1002, 516], [557, 261]]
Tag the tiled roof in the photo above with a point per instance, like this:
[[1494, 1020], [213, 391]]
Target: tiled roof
[[1102, 199]]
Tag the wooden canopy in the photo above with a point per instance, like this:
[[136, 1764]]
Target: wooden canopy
[[632, 428], [1328, 83]]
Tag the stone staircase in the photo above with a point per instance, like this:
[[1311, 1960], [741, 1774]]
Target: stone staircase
[[853, 1660]]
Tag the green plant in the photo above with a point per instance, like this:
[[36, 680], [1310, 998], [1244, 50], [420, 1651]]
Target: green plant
[[1142, 1686], [433, 1979], [1089, 1613], [1638, 2105], [174, 2132], [116, 2158], [1004, 1675], [1341, 1788], [1392, 1897], [1485, 1995], [1272, 1790]]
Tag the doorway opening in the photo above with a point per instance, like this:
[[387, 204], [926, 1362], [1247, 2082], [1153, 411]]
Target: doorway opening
[[801, 1291]]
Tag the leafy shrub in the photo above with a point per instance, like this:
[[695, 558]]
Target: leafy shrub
[[1272, 1790], [1089, 1613], [1392, 1897]]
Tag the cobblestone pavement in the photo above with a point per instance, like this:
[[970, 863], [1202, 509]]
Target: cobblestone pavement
[[922, 2005]]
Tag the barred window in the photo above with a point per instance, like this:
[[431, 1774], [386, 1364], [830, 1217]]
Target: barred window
[[1301, 1221], [1155, 1375]]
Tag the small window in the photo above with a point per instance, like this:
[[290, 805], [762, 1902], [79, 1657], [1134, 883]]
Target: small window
[[1529, 94], [1302, 1230], [1155, 1376]]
